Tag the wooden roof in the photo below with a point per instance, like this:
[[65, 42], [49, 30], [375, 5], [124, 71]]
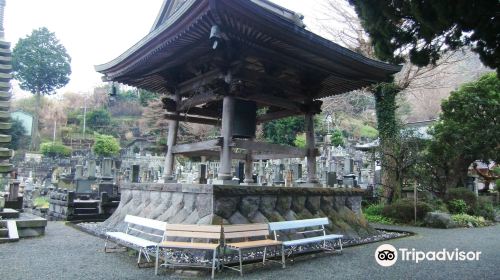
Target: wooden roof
[[268, 48]]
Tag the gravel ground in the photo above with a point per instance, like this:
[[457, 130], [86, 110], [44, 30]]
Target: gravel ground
[[66, 253]]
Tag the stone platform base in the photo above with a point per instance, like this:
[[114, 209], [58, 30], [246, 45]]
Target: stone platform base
[[8, 213], [216, 204]]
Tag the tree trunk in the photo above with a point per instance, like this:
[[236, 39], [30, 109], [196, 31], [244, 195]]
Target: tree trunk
[[385, 98], [35, 134]]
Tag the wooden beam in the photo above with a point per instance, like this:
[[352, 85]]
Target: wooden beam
[[268, 147], [200, 81], [199, 146], [203, 112], [191, 119], [198, 99], [212, 154], [264, 156], [289, 87], [276, 115], [271, 100]]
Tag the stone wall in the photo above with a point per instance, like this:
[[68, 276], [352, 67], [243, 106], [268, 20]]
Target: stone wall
[[172, 203], [208, 204], [237, 205]]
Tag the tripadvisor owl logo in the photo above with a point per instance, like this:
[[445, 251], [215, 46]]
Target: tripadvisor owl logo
[[386, 255]]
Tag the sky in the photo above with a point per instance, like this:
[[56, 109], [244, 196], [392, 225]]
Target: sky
[[97, 31]]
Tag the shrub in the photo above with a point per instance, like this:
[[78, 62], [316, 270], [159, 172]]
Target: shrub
[[403, 210], [437, 204], [374, 209], [41, 202], [484, 208], [457, 206], [463, 220], [106, 145], [379, 219], [55, 150], [464, 194]]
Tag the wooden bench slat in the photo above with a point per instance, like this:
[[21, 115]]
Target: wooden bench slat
[[189, 245], [246, 227], [243, 234], [254, 244]]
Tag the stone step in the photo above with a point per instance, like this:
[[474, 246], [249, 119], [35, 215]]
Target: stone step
[[5, 68], [5, 167], [5, 77], [5, 125], [5, 85], [79, 211], [13, 235], [4, 138], [4, 95], [90, 204], [4, 44], [4, 104], [5, 58]]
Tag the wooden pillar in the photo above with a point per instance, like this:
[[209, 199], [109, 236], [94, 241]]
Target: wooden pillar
[[227, 135], [173, 127], [310, 145]]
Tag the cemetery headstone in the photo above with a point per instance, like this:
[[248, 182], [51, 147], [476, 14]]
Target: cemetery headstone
[[135, 173]]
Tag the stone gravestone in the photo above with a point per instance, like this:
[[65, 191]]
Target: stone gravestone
[[278, 174], [135, 173], [106, 168], [296, 170], [348, 166], [78, 172], [91, 168], [331, 179], [240, 172], [202, 174]]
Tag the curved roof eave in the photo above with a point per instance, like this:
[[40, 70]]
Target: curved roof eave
[[315, 39]]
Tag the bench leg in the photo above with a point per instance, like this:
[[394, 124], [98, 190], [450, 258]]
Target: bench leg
[[157, 259], [283, 256], [106, 244], [213, 263], [264, 257], [241, 262], [139, 257]]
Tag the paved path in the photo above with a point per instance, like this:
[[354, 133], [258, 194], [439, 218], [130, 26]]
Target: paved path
[[66, 253]]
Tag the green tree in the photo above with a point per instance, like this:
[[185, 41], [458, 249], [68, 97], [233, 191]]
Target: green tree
[[50, 149], [146, 96], [337, 138], [283, 131], [106, 145], [300, 140], [17, 132], [41, 65], [426, 29], [468, 130], [98, 119]]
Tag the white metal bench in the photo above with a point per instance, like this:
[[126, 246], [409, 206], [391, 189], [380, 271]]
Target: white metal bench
[[318, 223], [138, 225]]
